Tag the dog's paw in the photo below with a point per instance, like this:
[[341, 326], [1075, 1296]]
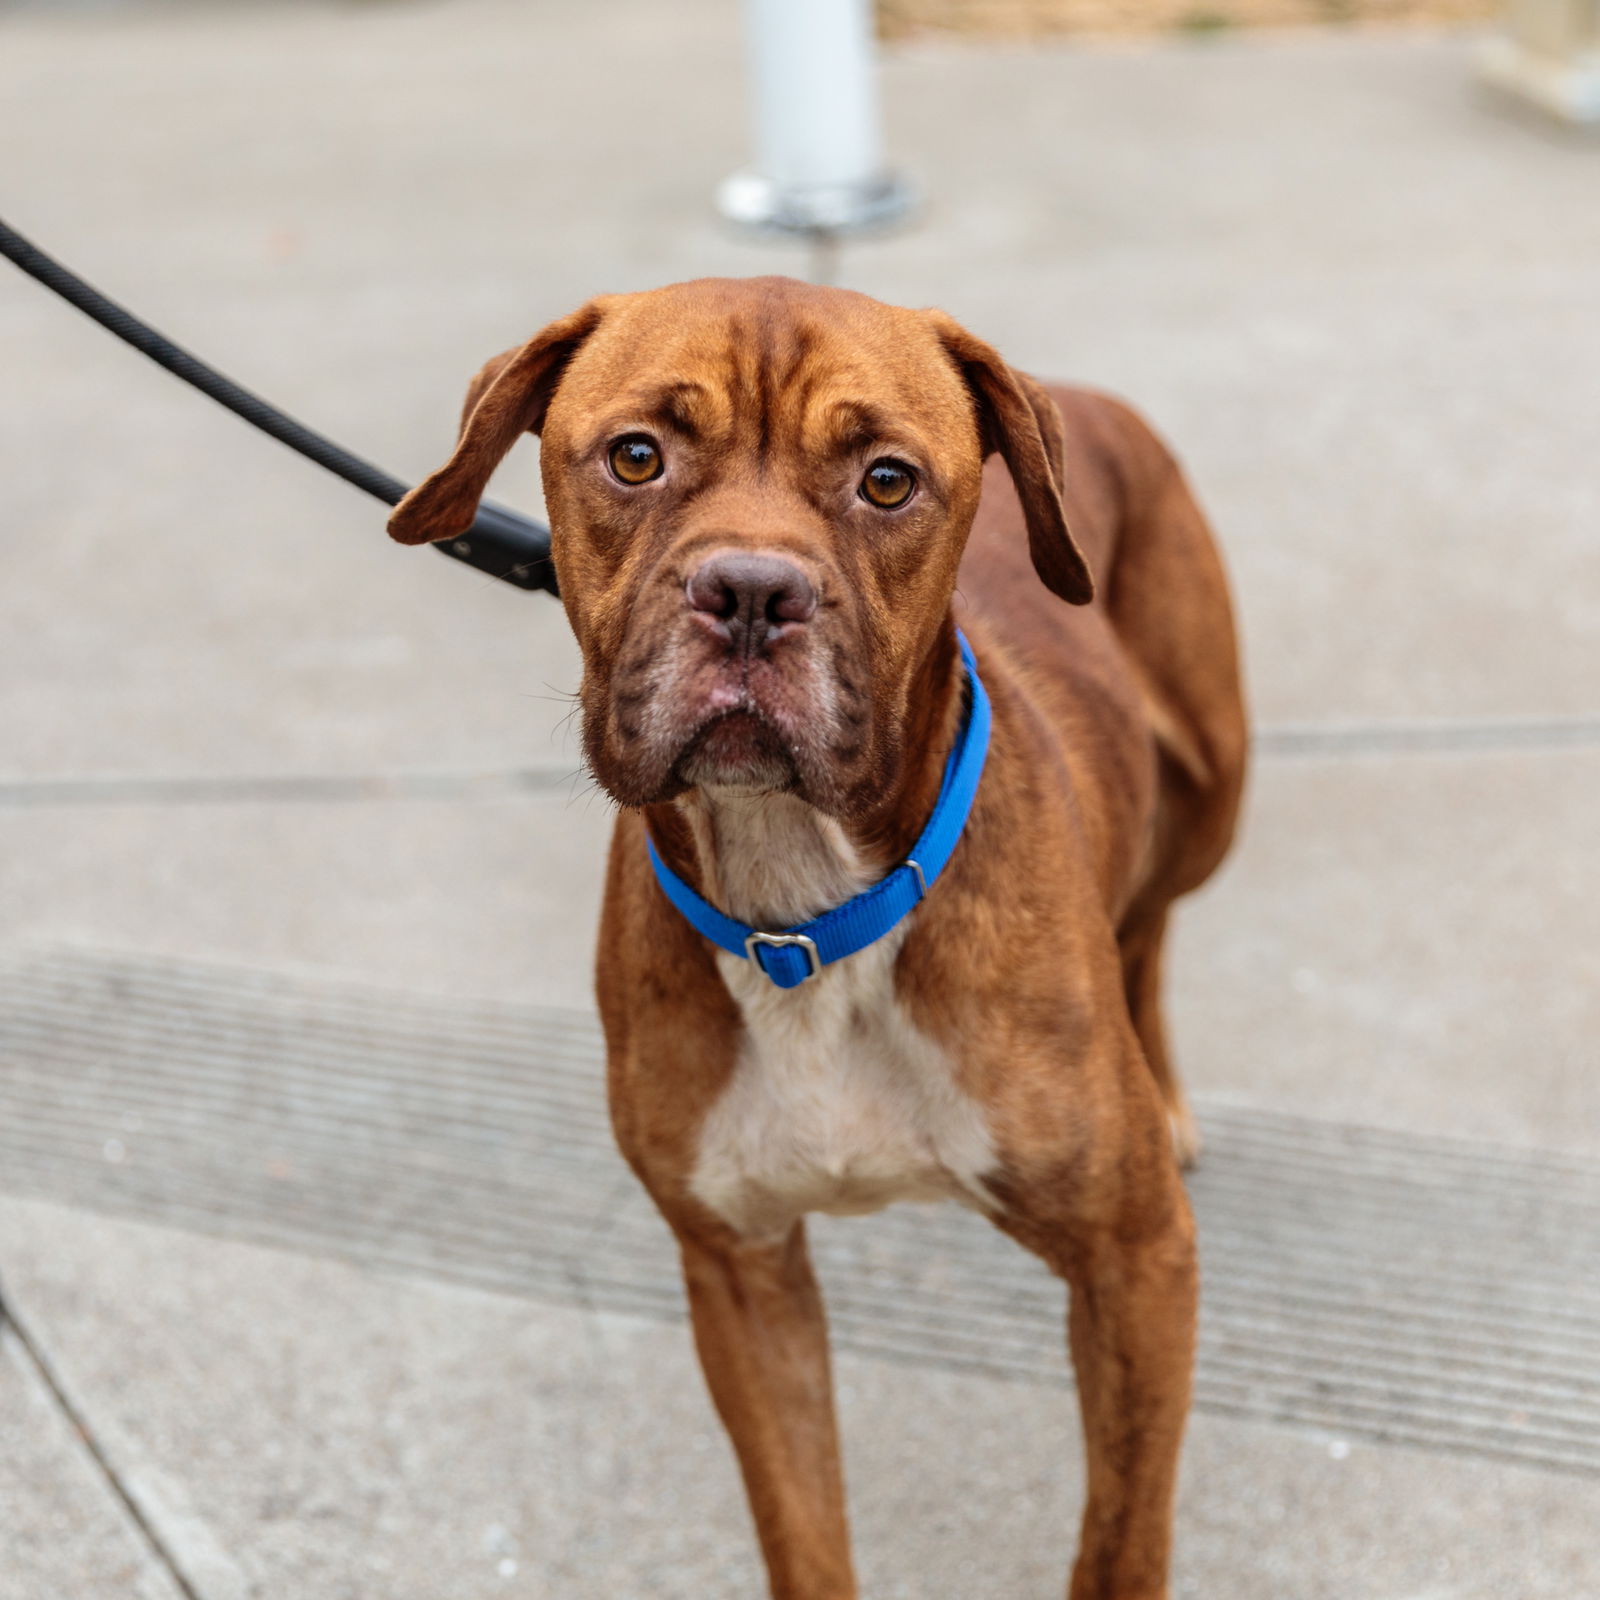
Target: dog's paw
[[1186, 1142]]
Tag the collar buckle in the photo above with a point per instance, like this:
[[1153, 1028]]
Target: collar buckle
[[780, 941]]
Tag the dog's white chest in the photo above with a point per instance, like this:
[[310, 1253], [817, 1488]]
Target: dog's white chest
[[838, 1103]]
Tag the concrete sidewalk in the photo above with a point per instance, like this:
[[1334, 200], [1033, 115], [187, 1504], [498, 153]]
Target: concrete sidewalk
[[241, 732]]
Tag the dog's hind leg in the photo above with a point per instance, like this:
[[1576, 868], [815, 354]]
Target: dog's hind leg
[[762, 1336], [1131, 1331], [1125, 1245], [1141, 940]]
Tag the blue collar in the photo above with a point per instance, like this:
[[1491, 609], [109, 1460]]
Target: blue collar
[[790, 957]]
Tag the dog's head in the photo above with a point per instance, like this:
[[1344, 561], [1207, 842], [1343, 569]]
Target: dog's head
[[759, 492]]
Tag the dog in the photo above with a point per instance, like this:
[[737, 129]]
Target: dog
[[817, 550]]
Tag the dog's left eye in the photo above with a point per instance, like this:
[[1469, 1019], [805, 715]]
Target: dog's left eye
[[636, 459], [888, 484]]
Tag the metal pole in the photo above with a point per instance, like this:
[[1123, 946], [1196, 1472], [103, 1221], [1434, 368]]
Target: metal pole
[[819, 151]]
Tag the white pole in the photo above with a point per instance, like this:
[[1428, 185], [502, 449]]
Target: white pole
[[819, 152]]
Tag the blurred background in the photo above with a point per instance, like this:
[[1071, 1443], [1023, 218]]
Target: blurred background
[[323, 1279]]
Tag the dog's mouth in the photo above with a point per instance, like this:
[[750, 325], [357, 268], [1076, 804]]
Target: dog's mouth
[[737, 749], [684, 714]]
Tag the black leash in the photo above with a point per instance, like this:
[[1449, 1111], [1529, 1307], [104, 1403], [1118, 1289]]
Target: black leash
[[501, 542]]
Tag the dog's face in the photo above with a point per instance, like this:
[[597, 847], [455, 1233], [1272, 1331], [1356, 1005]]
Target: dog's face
[[759, 492]]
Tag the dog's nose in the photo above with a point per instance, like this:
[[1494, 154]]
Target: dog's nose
[[752, 591]]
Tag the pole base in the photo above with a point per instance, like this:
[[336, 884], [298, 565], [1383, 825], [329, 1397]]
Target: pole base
[[754, 201]]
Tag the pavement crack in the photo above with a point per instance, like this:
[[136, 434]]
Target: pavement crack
[[45, 1370], [1273, 741], [1428, 736], [285, 787]]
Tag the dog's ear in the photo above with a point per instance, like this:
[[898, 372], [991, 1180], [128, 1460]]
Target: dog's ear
[[1020, 420], [508, 397]]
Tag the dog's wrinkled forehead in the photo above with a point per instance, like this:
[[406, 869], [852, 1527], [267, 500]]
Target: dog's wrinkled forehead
[[755, 371], [767, 365]]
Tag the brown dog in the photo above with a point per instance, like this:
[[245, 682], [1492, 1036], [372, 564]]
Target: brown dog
[[765, 501]]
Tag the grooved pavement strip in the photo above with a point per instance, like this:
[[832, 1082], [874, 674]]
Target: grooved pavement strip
[[1438, 1293]]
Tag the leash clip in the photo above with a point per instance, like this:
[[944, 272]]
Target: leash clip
[[778, 941]]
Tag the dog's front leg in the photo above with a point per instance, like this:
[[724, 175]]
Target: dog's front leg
[[763, 1341]]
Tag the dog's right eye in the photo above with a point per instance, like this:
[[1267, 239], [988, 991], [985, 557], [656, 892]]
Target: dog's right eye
[[888, 483], [635, 459]]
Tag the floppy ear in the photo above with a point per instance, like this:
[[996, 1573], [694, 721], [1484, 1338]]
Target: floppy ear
[[1020, 420], [508, 397]]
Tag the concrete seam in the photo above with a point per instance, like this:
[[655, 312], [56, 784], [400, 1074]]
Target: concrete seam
[[33, 1352], [1273, 741]]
